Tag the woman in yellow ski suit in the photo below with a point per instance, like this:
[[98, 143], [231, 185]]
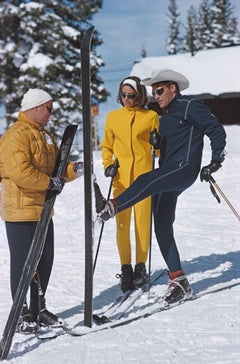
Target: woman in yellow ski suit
[[126, 138]]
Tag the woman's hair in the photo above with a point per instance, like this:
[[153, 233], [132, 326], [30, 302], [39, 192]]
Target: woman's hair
[[141, 93]]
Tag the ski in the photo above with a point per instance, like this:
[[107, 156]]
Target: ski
[[158, 309], [88, 171], [112, 308], [48, 333], [123, 303], [127, 301], [36, 246]]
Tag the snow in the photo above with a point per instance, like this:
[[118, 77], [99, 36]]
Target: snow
[[36, 59], [210, 71], [203, 331]]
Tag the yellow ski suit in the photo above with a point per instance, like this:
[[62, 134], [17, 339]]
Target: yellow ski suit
[[126, 137]]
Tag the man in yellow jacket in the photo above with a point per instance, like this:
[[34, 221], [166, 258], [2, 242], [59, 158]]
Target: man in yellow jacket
[[126, 137], [27, 158]]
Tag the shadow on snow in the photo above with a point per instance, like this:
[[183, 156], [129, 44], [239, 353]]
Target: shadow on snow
[[215, 269]]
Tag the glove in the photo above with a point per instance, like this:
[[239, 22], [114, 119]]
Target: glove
[[155, 139], [56, 184], [206, 171], [111, 170], [109, 210], [78, 168]]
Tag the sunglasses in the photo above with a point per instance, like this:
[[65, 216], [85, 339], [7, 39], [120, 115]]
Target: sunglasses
[[49, 109], [129, 96], [158, 91]]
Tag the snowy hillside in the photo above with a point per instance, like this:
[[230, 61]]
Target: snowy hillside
[[204, 331]]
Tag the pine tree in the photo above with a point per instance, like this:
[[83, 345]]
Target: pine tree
[[213, 26], [173, 40], [223, 25], [191, 40], [143, 52], [40, 47], [204, 25]]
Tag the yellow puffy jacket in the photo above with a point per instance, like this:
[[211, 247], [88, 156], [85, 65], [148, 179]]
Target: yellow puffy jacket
[[27, 159], [126, 137]]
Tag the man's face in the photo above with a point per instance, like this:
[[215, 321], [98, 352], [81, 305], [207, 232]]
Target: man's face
[[164, 93], [43, 112]]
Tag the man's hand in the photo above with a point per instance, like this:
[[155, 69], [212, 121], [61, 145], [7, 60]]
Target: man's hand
[[206, 171], [155, 139], [56, 184]]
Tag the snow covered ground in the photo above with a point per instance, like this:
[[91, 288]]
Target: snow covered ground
[[203, 331]]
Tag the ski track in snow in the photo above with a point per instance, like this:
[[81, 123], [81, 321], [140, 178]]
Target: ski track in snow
[[203, 331]]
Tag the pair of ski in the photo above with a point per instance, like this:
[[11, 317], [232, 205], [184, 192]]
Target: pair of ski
[[161, 307], [115, 312], [118, 320]]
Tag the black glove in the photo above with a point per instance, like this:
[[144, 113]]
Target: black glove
[[56, 184], [111, 170], [206, 171], [155, 139]]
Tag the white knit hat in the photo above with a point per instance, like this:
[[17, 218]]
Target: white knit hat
[[34, 97]]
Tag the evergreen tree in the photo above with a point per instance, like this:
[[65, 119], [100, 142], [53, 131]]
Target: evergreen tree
[[223, 25], [204, 25], [143, 52], [173, 40], [40, 47], [213, 26], [191, 41]]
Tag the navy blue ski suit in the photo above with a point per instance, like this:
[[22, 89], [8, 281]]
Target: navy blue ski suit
[[183, 126]]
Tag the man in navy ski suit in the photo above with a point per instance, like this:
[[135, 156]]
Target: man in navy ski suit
[[184, 123]]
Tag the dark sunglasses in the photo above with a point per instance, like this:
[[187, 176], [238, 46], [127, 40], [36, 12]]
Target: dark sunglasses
[[49, 109], [129, 96], [159, 91]]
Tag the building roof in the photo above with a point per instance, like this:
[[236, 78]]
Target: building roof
[[214, 72]]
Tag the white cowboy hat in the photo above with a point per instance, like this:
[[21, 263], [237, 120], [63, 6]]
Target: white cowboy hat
[[167, 75]]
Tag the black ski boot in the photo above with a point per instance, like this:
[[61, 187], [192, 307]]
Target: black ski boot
[[126, 278], [26, 324], [45, 317], [140, 275]]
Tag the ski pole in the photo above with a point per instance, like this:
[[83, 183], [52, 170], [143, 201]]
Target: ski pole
[[214, 184], [101, 231], [150, 237]]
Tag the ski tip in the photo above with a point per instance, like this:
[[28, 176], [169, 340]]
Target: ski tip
[[100, 320], [87, 36], [105, 320], [97, 319]]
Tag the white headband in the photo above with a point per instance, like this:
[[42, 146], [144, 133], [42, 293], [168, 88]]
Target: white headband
[[130, 82]]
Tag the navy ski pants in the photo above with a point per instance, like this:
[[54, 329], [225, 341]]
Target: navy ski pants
[[165, 184], [20, 236]]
